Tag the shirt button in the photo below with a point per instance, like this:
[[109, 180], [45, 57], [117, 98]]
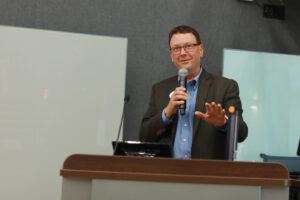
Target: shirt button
[[184, 124], [184, 140]]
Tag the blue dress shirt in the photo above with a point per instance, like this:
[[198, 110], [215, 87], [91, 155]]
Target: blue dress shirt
[[184, 132]]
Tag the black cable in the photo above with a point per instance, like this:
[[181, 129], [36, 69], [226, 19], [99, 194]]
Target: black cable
[[126, 100]]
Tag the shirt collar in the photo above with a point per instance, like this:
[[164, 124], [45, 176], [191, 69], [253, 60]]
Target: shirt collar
[[196, 79], [198, 76]]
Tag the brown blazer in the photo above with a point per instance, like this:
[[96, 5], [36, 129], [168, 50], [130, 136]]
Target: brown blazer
[[208, 142]]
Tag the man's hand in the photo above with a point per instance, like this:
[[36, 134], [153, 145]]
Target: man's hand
[[178, 97], [215, 114]]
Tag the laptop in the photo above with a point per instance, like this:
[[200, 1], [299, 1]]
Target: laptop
[[141, 149]]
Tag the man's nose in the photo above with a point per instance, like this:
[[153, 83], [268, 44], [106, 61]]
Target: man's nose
[[182, 51]]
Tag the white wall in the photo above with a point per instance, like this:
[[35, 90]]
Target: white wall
[[60, 93]]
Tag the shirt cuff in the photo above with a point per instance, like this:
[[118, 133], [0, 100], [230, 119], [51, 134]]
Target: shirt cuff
[[225, 126], [166, 121]]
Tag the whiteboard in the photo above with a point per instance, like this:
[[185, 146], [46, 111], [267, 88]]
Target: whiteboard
[[60, 93], [270, 92]]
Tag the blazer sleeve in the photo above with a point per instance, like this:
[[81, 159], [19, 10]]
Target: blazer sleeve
[[152, 127]]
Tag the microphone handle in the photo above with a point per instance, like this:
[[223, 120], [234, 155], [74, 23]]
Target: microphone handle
[[182, 83]]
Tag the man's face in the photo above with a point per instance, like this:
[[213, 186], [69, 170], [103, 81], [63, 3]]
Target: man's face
[[188, 58]]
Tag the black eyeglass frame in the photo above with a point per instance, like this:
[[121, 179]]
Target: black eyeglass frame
[[187, 47]]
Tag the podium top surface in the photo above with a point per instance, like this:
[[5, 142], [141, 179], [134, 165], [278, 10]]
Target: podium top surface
[[175, 170]]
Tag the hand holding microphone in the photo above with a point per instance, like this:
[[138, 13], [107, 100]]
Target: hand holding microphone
[[179, 96]]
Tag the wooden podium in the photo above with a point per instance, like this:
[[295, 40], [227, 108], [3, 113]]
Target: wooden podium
[[91, 177]]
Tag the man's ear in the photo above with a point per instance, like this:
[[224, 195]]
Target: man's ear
[[201, 50], [171, 56]]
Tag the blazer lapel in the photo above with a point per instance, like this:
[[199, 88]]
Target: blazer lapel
[[203, 88]]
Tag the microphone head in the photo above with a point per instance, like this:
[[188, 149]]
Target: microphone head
[[183, 72]]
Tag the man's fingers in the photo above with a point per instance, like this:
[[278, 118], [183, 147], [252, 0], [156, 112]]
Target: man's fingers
[[179, 93], [223, 111], [200, 114], [178, 103], [214, 107], [215, 114], [219, 108], [182, 89], [179, 97], [208, 108]]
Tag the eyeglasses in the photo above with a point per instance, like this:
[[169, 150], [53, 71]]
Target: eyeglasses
[[187, 48]]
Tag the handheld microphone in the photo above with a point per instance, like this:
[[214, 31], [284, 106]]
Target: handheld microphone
[[182, 73], [126, 100]]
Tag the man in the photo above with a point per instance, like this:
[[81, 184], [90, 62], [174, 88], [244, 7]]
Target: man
[[201, 131]]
